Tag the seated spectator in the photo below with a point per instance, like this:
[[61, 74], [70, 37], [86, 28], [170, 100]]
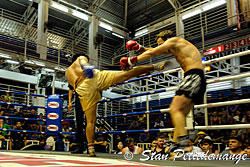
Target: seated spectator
[[41, 124], [101, 140], [144, 137], [7, 98], [153, 145], [17, 108], [50, 141], [207, 146], [32, 123], [200, 136], [4, 134], [238, 118], [1, 110], [119, 148], [192, 149], [215, 119], [131, 148], [18, 138], [199, 119], [65, 128], [159, 124], [135, 125], [160, 148], [247, 150], [234, 146], [224, 117]]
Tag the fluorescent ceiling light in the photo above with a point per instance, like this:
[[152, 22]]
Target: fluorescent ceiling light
[[5, 56], [12, 62], [60, 7], [106, 26], [80, 15], [35, 63], [49, 70], [213, 5], [117, 35], [141, 32], [191, 14], [60, 68]]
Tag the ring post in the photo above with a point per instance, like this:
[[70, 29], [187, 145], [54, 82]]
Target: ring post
[[54, 115]]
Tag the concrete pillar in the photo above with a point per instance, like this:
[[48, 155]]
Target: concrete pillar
[[43, 8], [93, 50]]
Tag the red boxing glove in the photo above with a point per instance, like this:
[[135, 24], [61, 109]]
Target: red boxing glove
[[133, 45], [127, 62]]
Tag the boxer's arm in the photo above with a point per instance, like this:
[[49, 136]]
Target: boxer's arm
[[159, 50]]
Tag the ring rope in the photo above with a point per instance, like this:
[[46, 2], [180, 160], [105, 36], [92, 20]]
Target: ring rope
[[25, 131], [22, 105], [31, 119], [210, 105], [30, 94]]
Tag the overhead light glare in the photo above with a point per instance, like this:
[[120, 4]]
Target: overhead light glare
[[12, 62], [49, 70], [213, 5], [80, 15], [117, 35], [191, 14], [5, 56], [106, 26], [141, 32], [59, 7]]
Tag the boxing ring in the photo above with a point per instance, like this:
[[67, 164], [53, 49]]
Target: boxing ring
[[48, 158]]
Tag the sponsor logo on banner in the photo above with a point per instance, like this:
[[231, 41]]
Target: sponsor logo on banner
[[52, 128], [53, 104], [53, 116]]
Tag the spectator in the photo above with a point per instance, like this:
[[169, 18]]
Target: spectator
[[199, 120], [200, 136], [224, 117], [158, 124], [4, 134], [50, 142], [32, 123], [238, 118], [245, 95], [7, 99], [18, 138], [153, 145], [134, 125], [193, 149], [119, 148], [144, 137], [233, 108], [131, 148], [17, 108], [1, 110], [234, 146], [101, 140], [41, 124], [160, 149], [247, 151], [65, 128], [207, 146], [215, 119]]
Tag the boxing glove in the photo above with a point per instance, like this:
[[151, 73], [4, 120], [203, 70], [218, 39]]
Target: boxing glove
[[127, 62], [88, 70], [133, 45]]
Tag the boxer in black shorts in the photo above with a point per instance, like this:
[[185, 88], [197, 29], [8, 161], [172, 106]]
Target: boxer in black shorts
[[192, 88]]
